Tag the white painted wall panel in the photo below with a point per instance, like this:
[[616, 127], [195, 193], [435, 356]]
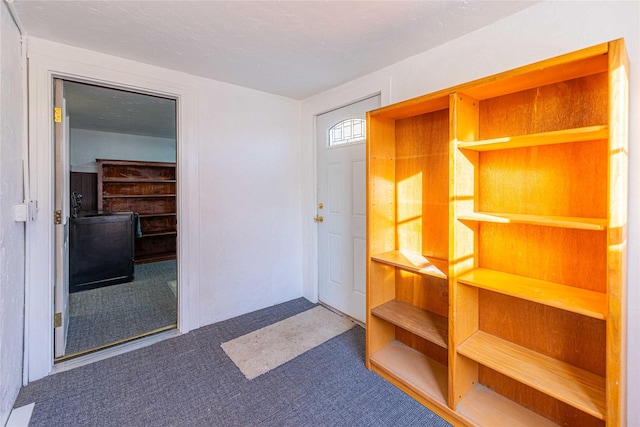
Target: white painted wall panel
[[239, 163], [249, 226], [12, 241], [89, 145]]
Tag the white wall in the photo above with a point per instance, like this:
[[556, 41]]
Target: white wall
[[544, 30], [11, 232], [89, 145], [239, 192], [250, 201]]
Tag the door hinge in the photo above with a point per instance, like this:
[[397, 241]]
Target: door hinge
[[57, 114], [57, 217], [57, 320]]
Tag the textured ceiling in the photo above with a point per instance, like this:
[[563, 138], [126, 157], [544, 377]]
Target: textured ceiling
[[290, 48], [110, 110]]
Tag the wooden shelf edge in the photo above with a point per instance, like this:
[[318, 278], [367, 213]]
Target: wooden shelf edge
[[594, 224], [138, 181], [589, 133], [414, 263], [136, 196], [423, 375], [568, 298], [157, 214], [567, 383], [165, 256], [423, 323], [488, 408], [159, 234]]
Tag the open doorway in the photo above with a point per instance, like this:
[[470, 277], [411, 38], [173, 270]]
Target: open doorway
[[122, 225]]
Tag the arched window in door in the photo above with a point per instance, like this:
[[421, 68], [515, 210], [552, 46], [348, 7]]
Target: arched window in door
[[346, 131]]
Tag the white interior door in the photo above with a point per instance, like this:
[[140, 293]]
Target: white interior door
[[61, 220], [341, 213]]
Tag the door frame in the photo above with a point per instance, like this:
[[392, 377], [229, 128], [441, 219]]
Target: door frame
[[48, 60], [327, 101], [344, 296]]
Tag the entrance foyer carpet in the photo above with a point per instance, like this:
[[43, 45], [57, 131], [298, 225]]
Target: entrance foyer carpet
[[189, 381], [260, 351]]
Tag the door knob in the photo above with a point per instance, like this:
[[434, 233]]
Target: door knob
[[318, 218]]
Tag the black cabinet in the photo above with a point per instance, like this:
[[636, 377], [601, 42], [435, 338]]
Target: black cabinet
[[100, 250]]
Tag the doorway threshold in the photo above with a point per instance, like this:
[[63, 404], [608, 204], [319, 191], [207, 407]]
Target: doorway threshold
[[111, 351]]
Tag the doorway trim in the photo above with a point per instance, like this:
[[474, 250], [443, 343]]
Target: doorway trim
[[46, 61]]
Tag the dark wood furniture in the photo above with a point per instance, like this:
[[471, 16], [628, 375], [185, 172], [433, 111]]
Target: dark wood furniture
[[148, 189], [101, 250]]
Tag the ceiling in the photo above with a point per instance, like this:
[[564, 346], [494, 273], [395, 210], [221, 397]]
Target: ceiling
[[111, 110], [290, 48]]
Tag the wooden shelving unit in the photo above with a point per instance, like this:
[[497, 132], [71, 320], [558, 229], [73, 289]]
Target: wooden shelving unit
[[148, 189], [496, 244]]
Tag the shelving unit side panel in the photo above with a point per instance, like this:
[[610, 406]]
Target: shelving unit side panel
[[567, 180], [425, 292], [536, 401], [568, 104], [617, 239], [463, 249], [381, 191], [570, 337], [382, 287], [566, 256], [463, 372], [422, 174], [464, 181]]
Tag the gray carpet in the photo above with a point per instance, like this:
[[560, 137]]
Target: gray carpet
[[189, 381], [112, 313]]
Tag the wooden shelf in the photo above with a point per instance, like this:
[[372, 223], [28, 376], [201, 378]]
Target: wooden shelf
[[486, 407], [589, 133], [414, 263], [418, 372], [136, 196], [129, 180], [147, 188], [423, 323], [164, 256], [159, 233], [567, 383], [157, 215], [569, 298], [595, 224]]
